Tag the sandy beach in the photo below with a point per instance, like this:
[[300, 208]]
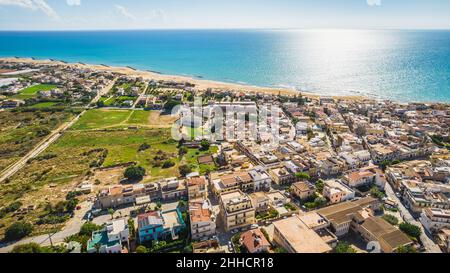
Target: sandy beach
[[201, 84]]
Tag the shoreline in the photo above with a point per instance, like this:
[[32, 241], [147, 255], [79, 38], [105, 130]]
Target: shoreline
[[200, 82]]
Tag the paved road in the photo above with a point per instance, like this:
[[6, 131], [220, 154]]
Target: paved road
[[72, 227], [47, 141], [140, 96], [429, 245]]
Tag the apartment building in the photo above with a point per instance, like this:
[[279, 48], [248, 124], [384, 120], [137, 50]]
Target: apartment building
[[282, 176], [202, 219], [303, 190], [336, 191], [236, 210], [435, 220], [196, 187]]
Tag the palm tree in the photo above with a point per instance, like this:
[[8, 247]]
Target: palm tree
[[111, 212], [97, 247]]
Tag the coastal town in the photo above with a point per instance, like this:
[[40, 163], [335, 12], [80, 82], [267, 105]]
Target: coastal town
[[89, 165]]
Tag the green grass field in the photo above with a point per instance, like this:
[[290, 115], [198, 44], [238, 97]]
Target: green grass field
[[43, 104], [108, 118], [100, 118], [139, 117], [32, 91]]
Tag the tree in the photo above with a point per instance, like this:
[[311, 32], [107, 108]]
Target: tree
[[18, 230], [168, 164], [205, 144], [171, 103], [111, 212], [134, 173], [100, 104], [97, 247], [344, 247], [141, 249], [182, 150], [87, 229], [319, 185], [185, 169], [411, 230], [302, 176], [391, 219], [320, 201], [406, 249], [375, 192]]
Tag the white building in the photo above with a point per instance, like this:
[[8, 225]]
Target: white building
[[434, 219], [336, 192]]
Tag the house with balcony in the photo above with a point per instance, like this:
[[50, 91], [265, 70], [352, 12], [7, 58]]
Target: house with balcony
[[236, 210], [157, 225], [110, 239], [202, 219]]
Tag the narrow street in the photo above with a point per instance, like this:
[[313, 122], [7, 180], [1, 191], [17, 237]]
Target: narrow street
[[72, 227], [429, 245]]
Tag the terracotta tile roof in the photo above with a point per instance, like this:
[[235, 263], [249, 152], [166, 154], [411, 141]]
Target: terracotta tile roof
[[194, 181], [253, 240]]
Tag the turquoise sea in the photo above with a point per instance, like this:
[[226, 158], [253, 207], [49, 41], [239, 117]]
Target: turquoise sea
[[404, 65]]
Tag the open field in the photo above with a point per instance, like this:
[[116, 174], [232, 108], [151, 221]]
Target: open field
[[68, 162], [32, 91], [97, 119], [44, 104], [21, 131]]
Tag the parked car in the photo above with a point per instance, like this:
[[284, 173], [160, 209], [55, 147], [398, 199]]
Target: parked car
[[234, 231], [230, 246], [254, 226]]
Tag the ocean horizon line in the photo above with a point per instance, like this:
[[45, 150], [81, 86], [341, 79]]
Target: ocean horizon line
[[356, 94], [223, 29]]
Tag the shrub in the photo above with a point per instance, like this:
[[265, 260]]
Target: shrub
[[168, 164], [141, 249], [87, 229], [411, 230], [344, 247], [391, 219], [134, 173], [185, 169], [18, 230]]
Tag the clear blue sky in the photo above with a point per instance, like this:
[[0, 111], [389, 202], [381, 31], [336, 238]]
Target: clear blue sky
[[144, 14]]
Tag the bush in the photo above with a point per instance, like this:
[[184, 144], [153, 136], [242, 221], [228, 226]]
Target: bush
[[185, 169], [144, 147], [391, 219], [18, 230], [87, 229], [411, 230], [344, 247], [141, 249], [134, 173], [375, 192], [406, 249], [168, 164], [36, 248], [302, 176], [10, 208], [205, 144]]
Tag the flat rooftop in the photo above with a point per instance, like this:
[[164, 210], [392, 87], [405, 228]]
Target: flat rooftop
[[301, 238]]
